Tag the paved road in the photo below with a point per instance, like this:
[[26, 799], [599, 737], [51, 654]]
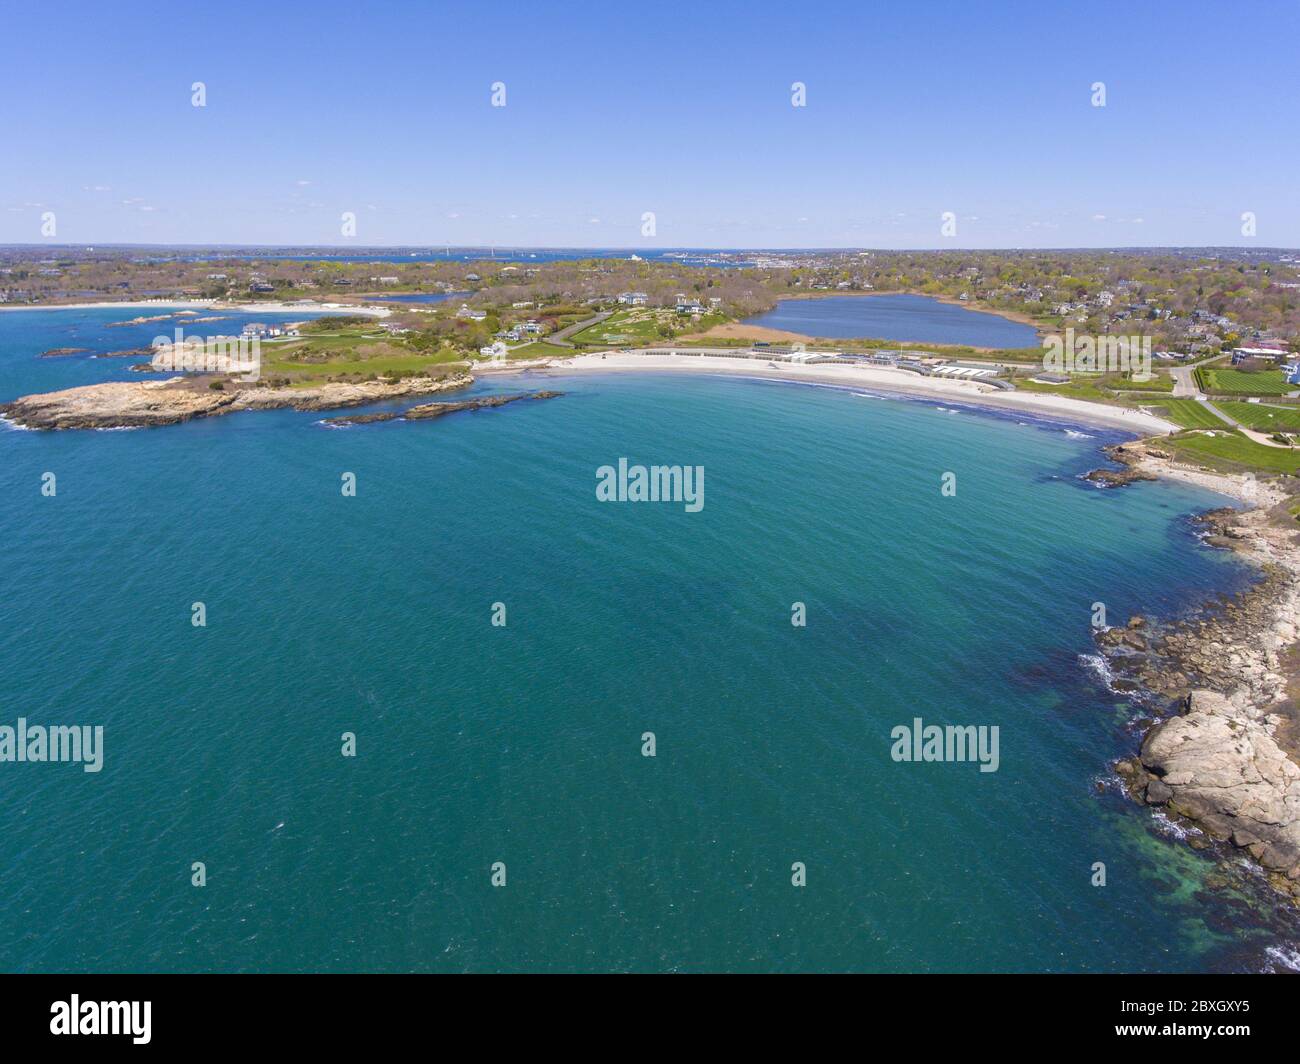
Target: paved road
[[559, 338], [1184, 382], [1185, 386]]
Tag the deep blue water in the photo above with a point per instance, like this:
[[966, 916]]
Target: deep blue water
[[522, 744], [903, 318]]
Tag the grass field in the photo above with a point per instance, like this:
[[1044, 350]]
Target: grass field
[[1190, 414], [1078, 388], [541, 349], [1222, 381], [1160, 382], [352, 351], [1101, 388], [623, 326], [1263, 417], [315, 371], [1230, 451], [636, 328]]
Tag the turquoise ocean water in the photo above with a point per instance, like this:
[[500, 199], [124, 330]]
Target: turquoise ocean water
[[522, 744]]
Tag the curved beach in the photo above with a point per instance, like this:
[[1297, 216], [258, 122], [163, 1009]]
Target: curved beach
[[874, 377]]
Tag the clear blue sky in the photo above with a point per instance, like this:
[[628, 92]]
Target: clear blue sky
[[683, 109]]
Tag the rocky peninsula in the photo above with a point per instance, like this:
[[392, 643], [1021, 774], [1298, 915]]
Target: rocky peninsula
[[1228, 759], [148, 404], [428, 411]]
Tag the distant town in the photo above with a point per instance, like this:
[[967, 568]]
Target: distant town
[[1192, 303]]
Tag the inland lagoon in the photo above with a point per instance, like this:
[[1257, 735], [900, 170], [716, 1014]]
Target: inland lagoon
[[901, 318]]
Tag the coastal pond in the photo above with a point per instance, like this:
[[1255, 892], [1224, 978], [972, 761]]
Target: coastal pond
[[901, 318]]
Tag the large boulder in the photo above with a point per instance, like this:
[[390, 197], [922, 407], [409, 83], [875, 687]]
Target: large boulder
[[1221, 766]]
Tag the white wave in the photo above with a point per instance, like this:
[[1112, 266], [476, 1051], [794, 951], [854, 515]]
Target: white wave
[[1287, 956], [1172, 829], [13, 426], [1074, 434], [1097, 664]]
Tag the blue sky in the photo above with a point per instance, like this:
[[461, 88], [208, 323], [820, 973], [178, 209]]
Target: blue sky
[[684, 110]]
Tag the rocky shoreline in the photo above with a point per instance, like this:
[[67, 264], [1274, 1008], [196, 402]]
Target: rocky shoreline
[[429, 411], [149, 404], [1228, 759]]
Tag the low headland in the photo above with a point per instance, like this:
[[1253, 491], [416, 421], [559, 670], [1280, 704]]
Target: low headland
[[152, 404]]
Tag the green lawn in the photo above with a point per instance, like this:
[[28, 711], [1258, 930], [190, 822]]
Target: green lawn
[[1079, 388], [1160, 382], [623, 326], [1230, 451], [1100, 387], [541, 349], [638, 327], [1263, 417], [1222, 381], [359, 366], [1190, 414]]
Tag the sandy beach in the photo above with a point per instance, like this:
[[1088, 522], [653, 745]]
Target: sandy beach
[[877, 378]]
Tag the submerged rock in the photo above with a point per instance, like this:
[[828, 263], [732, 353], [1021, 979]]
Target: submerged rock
[[1128, 457], [428, 411], [1116, 478]]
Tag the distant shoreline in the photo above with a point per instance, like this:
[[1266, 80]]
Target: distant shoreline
[[194, 304]]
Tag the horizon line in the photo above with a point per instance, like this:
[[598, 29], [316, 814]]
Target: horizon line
[[635, 249]]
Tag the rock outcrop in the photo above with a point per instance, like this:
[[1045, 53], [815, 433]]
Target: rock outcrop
[[147, 404], [1220, 765], [428, 411], [1130, 457], [1230, 760]]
